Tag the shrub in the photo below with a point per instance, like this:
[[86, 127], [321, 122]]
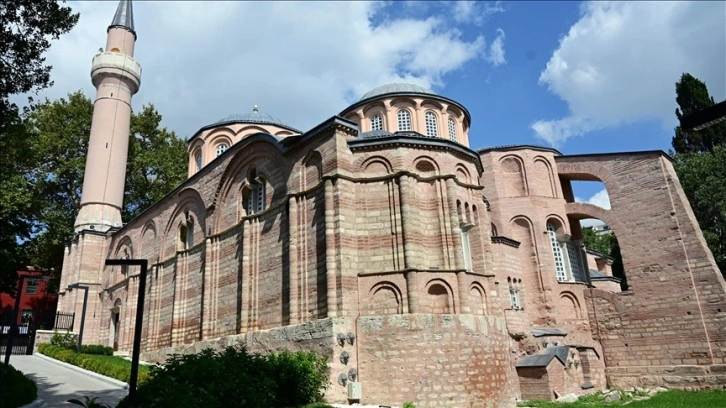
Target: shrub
[[65, 340], [114, 367], [17, 389], [97, 349], [234, 377]]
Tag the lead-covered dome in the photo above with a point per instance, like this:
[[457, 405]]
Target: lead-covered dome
[[254, 117], [396, 88]]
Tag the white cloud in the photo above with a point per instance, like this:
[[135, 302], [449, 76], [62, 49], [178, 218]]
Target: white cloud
[[299, 61], [476, 12], [618, 64], [496, 50], [600, 199]]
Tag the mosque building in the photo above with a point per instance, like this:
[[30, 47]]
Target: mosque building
[[424, 269]]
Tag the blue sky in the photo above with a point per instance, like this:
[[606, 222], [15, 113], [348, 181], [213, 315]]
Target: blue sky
[[584, 77]]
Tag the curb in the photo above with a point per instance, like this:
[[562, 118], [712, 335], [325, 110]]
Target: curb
[[101, 377]]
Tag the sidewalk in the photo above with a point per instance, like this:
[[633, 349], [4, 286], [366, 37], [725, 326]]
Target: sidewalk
[[58, 382]]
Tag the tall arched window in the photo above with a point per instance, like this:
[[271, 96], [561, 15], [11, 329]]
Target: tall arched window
[[432, 128], [560, 269], [198, 160], [404, 120], [377, 122], [221, 148], [452, 129]]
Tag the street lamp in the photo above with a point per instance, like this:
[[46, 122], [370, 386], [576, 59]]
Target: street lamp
[[143, 263], [14, 321], [83, 314]]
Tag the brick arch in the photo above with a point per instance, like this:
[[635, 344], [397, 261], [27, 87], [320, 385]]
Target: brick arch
[[267, 162], [148, 241], [376, 164], [514, 176], [439, 297], [191, 200], [463, 174], [385, 298], [543, 169], [124, 242], [426, 165], [569, 301], [313, 169], [478, 299], [219, 132]]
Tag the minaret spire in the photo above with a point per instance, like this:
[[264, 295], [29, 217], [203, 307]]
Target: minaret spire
[[116, 76], [124, 17]]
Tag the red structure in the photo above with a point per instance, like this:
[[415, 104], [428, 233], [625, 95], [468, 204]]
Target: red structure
[[34, 298]]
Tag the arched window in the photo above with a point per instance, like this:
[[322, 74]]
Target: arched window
[[198, 160], [404, 120], [452, 129], [560, 269], [432, 128], [221, 148], [186, 233], [377, 122], [254, 195]]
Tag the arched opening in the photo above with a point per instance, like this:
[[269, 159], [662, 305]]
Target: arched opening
[[438, 299], [603, 259], [115, 330]]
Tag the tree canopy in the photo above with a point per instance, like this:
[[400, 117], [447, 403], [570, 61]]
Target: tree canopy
[[26, 28], [58, 136], [700, 162]]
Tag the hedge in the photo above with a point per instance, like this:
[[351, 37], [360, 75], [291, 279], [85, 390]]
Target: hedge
[[120, 370], [17, 390]]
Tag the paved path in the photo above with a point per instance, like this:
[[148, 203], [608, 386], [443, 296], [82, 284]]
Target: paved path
[[58, 382]]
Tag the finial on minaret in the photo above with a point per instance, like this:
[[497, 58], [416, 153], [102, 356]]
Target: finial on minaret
[[124, 17]]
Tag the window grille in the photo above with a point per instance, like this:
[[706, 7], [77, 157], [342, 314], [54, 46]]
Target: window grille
[[560, 269], [431, 125], [404, 120], [221, 148], [452, 130], [377, 122]]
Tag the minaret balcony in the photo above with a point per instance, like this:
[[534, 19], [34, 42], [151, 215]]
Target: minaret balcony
[[116, 64]]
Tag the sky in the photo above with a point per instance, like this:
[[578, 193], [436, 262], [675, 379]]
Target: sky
[[582, 77]]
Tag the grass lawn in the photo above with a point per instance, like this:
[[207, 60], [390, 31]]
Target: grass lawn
[[110, 366], [669, 399]]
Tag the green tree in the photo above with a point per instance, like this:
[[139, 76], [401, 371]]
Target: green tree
[[607, 244], [703, 177], [692, 95], [700, 162], [26, 28], [157, 162], [58, 135]]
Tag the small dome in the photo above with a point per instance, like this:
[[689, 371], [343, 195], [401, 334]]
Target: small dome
[[254, 117], [396, 88]]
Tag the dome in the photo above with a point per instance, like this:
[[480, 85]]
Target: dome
[[254, 117], [396, 88]]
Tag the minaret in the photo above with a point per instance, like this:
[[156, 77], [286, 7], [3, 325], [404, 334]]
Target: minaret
[[116, 76]]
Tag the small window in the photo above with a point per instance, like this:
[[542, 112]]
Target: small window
[[254, 196], [198, 160], [221, 148], [466, 246], [404, 120], [514, 287], [431, 125], [452, 129], [31, 287], [377, 122]]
